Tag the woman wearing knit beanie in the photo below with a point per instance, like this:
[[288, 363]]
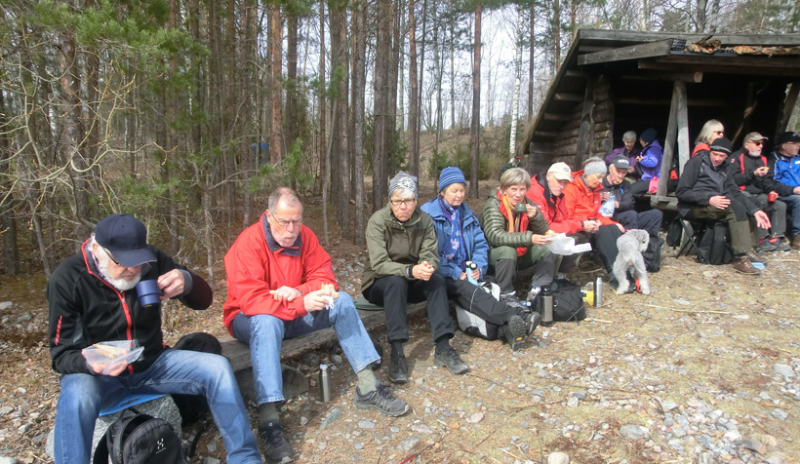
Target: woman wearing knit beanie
[[462, 241], [401, 268], [649, 160]]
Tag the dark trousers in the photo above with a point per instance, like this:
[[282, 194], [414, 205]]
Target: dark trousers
[[646, 220], [776, 212], [604, 244], [479, 302], [395, 292], [738, 223]]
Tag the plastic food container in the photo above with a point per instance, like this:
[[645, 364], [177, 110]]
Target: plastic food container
[[111, 353]]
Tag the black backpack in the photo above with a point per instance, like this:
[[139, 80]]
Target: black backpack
[[140, 439], [713, 247], [568, 304], [652, 255]]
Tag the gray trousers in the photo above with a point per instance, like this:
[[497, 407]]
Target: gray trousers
[[506, 263], [776, 212]]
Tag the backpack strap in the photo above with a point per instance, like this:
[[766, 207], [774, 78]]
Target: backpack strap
[[101, 452]]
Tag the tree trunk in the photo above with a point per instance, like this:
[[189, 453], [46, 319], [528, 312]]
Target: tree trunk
[[339, 152], [275, 45], [292, 111], [531, 61], [381, 90], [413, 104], [396, 47], [323, 109], [555, 25], [512, 149], [8, 223], [452, 27], [475, 126], [359, 79], [72, 134]]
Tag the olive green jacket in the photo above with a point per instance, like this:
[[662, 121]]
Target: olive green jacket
[[495, 226], [393, 246]]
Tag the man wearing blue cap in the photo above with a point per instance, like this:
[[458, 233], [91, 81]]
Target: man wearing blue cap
[[93, 298]]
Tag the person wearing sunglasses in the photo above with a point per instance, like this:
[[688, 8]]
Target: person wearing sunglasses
[[751, 172], [93, 297], [401, 268]]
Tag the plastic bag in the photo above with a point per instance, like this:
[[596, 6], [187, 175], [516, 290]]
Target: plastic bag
[[561, 244], [111, 353], [607, 208]]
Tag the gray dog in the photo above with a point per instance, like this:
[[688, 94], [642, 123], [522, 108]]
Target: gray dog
[[631, 244]]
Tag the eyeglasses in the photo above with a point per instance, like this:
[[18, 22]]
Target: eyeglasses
[[403, 203], [285, 223], [108, 253]]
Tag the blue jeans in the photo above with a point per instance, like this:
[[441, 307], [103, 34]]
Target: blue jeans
[[793, 208], [83, 396], [264, 333]]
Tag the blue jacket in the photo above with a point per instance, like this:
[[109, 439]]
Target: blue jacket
[[786, 170], [475, 243], [651, 160]]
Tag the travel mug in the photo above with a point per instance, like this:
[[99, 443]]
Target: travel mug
[[149, 293]]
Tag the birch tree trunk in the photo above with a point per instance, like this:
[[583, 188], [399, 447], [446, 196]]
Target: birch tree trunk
[[413, 106], [517, 82], [475, 125]]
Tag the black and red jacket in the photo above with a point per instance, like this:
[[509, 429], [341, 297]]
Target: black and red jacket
[[85, 309], [743, 166]]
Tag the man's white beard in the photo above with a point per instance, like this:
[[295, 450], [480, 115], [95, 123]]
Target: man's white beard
[[120, 284]]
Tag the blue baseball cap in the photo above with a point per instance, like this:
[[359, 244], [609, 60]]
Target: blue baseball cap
[[125, 237]]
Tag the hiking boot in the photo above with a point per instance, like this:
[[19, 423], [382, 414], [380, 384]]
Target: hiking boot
[[511, 299], [742, 264], [796, 242], [756, 258], [532, 320], [398, 372], [381, 400], [515, 332], [766, 246], [780, 244], [449, 358], [276, 448]]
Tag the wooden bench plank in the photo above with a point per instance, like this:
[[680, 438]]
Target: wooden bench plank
[[238, 353]]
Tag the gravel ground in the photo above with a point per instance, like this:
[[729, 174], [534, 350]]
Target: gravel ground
[[704, 370]]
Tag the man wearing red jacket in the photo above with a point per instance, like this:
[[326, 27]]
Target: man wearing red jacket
[[547, 193], [281, 285], [582, 200]]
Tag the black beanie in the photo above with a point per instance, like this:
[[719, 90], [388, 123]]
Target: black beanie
[[649, 135]]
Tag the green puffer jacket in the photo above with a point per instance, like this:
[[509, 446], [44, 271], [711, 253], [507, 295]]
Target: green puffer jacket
[[393, 245], [495, 226]]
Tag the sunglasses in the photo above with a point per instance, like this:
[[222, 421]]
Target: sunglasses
[[757, 143]]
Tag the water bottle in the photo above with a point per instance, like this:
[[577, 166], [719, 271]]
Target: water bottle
[[470, 266], [324, 383], [546, 306], [598, 292]]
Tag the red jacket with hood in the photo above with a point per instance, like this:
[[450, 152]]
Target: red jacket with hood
[[554, 209], [583, 203], [256, 264]]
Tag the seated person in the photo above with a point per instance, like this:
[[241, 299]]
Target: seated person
[[711, 131], [92, 298], [516, 234], [707, 193], [461, 239], [785, 165], [582, 198], [547, 193], [403, 258], [280, 285], [750, 170], [629, 150], [624, 213], [648, 161]]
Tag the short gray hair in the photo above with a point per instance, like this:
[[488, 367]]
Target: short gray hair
[[630, 135], [402, 193], [286, 194], [515, 176]]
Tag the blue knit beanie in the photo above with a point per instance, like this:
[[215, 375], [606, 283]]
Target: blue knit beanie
[[451, 175]]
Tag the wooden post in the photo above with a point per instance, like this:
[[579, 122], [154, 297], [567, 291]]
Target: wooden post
[[586, 133], [788, 107], [677, 128]]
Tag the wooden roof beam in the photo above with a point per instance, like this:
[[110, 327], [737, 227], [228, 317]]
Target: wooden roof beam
[[689, 77], [545, 134], [736, 60], [707, 102], [557, 117], [712, 68], [633, 52], [569, 97]]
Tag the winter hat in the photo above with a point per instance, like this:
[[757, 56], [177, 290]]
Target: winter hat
[[451, 175], [787, 137], [403, 180], [595, 167], [722, 145], [649, 135]]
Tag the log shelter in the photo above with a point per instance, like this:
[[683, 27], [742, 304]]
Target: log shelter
[[614, 81]]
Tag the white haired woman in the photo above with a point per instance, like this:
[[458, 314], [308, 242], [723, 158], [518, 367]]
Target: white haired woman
[[403, 258]]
